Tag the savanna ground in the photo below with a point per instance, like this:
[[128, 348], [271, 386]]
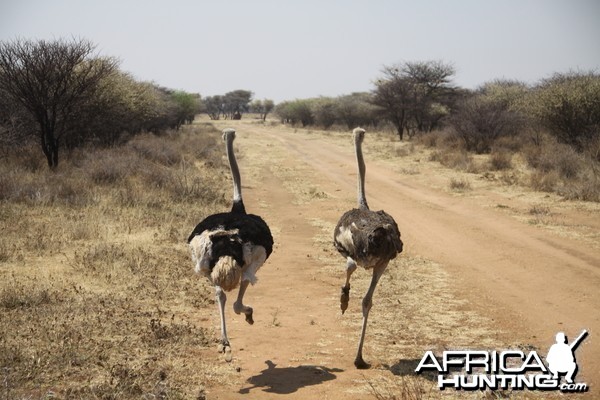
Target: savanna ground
[[98, 298]]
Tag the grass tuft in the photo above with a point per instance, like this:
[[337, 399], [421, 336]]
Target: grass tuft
[[97, 286]]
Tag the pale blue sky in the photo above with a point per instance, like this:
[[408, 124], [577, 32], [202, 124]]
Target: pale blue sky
[[298, 49]]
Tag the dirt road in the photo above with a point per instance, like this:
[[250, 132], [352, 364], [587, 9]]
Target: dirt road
[[523, 281]]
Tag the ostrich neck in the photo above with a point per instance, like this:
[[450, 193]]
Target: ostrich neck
[[362, 199], [235, 173]]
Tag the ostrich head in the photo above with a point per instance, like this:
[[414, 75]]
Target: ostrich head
[[228, 134], [359, 134]]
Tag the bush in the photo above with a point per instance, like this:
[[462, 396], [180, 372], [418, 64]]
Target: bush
[[297, 111], [429, 139], [456, 159], [154, 149], [480, 121], [460, 185], [553, 156], [558, 168], [567, 105], [500, 160]]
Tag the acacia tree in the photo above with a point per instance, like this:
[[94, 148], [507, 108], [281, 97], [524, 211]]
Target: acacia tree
[[213, 106], [50, 79], [413, 96], [392, 95], [236, 103], [262, 107]]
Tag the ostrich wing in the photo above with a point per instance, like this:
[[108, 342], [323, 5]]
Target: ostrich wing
[[365, 235], [251, 228]]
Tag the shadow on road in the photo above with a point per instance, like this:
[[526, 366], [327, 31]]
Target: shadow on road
[[407, 368], [289, 380]]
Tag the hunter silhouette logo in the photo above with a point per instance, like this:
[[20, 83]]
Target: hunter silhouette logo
[[509, 369], [561, 357]]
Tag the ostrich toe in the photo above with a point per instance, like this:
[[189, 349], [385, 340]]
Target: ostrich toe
[[249, 317], [344, 298], [225, 348]]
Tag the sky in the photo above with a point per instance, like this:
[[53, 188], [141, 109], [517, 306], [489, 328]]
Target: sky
[[284, 50]]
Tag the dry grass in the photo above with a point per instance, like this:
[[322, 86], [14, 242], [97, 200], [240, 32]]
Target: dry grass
[[459, 185], [533, 159], [98, 296]]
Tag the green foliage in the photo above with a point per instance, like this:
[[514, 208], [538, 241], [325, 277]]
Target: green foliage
[[213, 106], [230, 105], [297, 111], [349, 110], [324, 110], [356, 109], [506, 93], [236, 103], [568, 105], [187, 106], [262, 107]]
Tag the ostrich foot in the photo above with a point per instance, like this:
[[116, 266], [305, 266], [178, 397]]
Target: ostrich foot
[[238, 308], [359, 363], [249, 316], [345, 298], [225, 349]]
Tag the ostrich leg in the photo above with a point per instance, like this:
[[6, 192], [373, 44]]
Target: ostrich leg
[[224, 346], [239, 307], [345, 296], [367, 303]]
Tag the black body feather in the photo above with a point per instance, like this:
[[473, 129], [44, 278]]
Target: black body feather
[[375, 235], [251, 228]]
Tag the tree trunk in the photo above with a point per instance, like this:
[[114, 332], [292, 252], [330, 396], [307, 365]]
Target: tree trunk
[[50, 148], [399, 122]]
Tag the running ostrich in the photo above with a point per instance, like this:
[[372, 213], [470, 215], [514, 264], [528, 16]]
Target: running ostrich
[[228, 248], [367, 238]]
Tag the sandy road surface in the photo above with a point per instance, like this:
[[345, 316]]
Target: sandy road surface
[[530, 282]]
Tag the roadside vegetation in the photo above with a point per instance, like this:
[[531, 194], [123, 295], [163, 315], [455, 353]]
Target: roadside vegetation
[[545, 136], [97, 293], [63, 95]]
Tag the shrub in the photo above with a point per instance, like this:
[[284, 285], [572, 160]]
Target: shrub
[[153, 148], [545, 181], [109, 166], [500, 160], [456, 159], [567, 105], [429, 139], [460, 185], [480, 121]]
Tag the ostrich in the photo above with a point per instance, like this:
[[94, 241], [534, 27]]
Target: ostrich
[[228, 248], [367, 238]]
